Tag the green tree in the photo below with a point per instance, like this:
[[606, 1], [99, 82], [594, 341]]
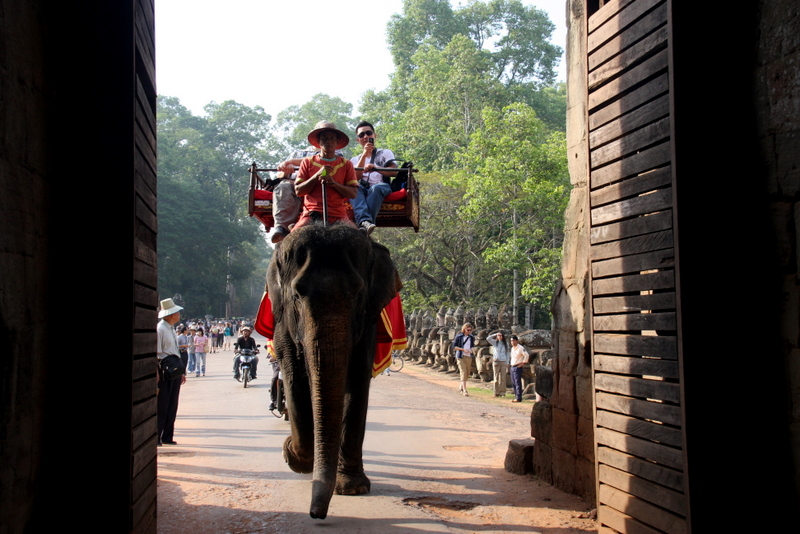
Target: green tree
[[208, 246], [516, 183], [295, 122], [450, 88]]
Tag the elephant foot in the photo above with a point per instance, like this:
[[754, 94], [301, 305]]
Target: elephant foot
[[296, 462], [349, 484]]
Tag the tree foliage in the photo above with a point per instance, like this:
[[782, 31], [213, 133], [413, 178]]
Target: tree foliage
[[471, 102], [295, 122], [207, 243]]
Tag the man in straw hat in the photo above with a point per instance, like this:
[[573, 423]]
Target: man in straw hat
[[326, 169], [286, 206], [168, 389]]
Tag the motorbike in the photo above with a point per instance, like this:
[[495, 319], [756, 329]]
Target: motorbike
[[246, 357], [279, 409]]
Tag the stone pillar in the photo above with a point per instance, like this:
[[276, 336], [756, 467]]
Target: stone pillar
[[564, 433]]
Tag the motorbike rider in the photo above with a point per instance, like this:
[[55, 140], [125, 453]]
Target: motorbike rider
[[276, 368], [244, 342]]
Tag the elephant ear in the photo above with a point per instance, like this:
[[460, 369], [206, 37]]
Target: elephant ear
[[384, 280]]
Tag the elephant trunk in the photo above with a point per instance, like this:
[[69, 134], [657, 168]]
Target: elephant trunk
[[328, 358]]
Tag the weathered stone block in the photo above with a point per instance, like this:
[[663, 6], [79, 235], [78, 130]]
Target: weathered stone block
[[564, 395], [542, 422], [544, 381], [585, 396], [543, 462], [564, 471], [585, 439], [565, 431], [519, 456], [536, 338], [585, 483]]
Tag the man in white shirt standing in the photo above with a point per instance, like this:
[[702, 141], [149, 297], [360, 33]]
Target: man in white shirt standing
[[519, 357], [168, 389]]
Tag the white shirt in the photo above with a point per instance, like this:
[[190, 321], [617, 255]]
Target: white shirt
[[518, 355], [167, 340]]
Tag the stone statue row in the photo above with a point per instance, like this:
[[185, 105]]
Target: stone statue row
[[491, 318], [430, 338]]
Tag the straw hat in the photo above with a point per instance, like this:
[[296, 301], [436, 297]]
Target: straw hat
[[320, 127], [168, 307]]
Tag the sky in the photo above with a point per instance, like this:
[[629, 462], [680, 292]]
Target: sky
[[278, 53]]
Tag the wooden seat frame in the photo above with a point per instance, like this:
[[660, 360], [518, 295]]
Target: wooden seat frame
[[394, 214]]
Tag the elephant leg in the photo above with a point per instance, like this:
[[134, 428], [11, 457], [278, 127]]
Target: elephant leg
[[350, 477], [298, 449]]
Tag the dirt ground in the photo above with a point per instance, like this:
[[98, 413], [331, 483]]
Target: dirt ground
[[435, 459]]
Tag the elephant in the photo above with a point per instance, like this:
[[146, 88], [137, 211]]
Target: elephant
[[328, 285]]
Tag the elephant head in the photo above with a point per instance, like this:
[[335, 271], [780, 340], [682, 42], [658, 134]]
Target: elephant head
[[328, 286]]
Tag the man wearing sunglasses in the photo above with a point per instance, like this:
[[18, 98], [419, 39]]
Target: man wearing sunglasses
[[373, 184]]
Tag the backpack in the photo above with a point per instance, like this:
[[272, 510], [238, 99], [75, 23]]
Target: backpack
[[399, 182]]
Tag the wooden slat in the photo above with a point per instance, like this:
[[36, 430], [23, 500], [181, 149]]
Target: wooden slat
[[629, 58], [626, 15], [647, 409], [636, 366], [660, 454], [628, 102], [631, 143], [673, 501], [606, 90], [144, 343], [637, 387], [659, 474], [620, 522], [650, 112], [632, 246], [647, 513], [652, 202], [631, 187], [640, 30], [639, 428], [145, 273], [634, 303], [635, 321], [660, 259], [665, 347], [602, 15], [653, 223], [645, 160], [634, 282]]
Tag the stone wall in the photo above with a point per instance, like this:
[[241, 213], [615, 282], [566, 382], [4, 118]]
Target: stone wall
[[777, 83], [562, 424]]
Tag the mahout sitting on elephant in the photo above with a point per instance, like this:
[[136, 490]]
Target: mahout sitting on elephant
[[328, 286]]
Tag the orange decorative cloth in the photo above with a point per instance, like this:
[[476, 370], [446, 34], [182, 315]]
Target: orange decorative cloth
[[391, 334]]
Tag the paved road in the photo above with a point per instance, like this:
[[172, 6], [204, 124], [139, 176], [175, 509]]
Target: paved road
[[434, 457]]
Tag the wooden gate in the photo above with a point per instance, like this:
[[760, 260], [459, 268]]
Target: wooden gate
[[640, 461]]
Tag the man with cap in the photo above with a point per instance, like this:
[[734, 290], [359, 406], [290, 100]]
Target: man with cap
[[326, 169], [168, 389]]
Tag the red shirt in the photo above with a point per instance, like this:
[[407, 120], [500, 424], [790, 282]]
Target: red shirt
[[343, 173]]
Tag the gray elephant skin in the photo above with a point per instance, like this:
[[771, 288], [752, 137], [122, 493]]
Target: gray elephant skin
[[328, 286]]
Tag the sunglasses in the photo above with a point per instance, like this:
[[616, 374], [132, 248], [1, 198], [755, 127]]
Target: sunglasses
[[365, 134]]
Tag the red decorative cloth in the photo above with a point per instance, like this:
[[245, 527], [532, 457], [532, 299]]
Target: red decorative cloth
[[391, 334]]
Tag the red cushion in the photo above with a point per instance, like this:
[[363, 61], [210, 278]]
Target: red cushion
[[262, 194], [395, 196]]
